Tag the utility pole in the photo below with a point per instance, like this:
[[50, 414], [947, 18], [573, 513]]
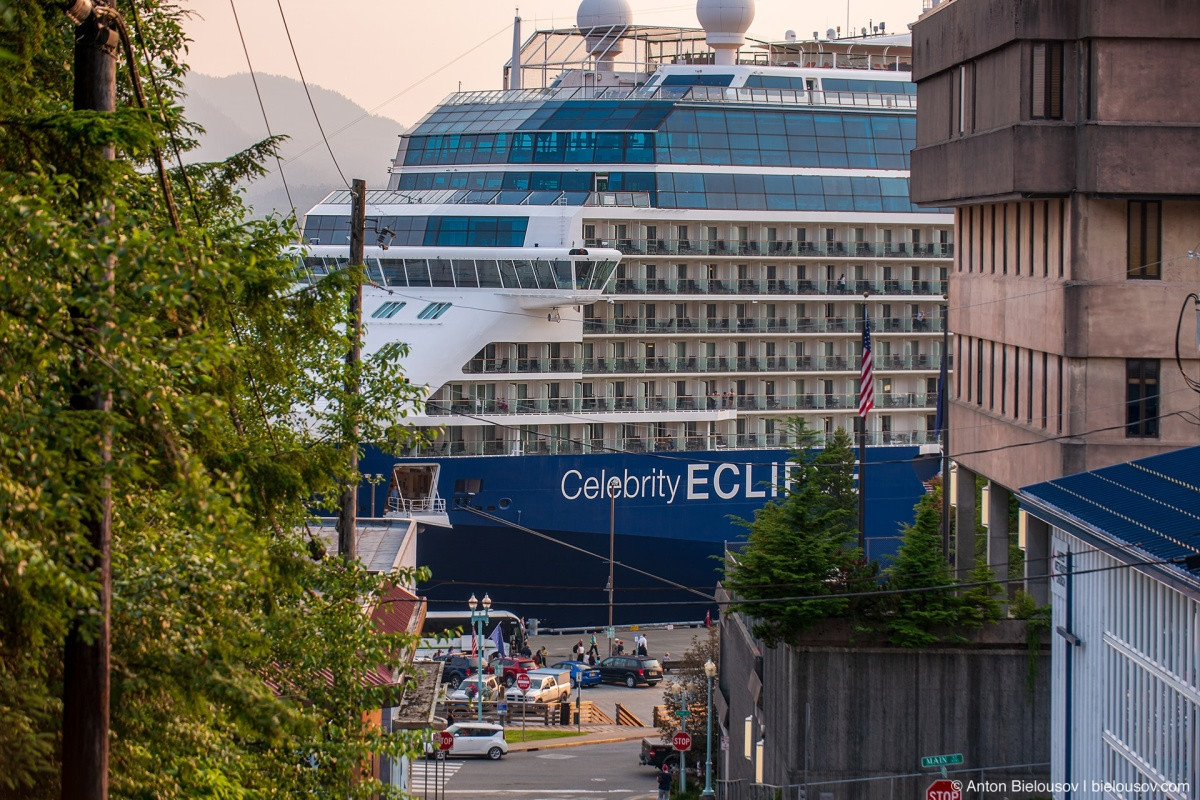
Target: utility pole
[[87, 651], [348, 519]]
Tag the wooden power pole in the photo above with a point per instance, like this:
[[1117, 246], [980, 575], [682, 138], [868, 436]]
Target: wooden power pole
[[86, 655], [348, 519]]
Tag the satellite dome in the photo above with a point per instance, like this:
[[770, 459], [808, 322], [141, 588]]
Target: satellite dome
[[602, 22], [603, 14], [725, 23]]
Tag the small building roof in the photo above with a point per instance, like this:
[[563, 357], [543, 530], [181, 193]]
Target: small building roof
[[1145, 510]]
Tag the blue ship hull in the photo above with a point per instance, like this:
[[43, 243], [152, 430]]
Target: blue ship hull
[[534, 530]]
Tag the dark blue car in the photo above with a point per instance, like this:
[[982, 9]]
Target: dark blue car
[[581, 673]]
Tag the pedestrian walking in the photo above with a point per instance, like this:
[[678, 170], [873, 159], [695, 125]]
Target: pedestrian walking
[[579, 651], [664, 782], [592, 649]]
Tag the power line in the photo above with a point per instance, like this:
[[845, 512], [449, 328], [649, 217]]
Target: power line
[[308, 94], [262, 107], [577, 548]]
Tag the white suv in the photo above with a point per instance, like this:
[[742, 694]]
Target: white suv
[[474, 739]]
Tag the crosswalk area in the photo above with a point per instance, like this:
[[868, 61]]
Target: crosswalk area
[[426, 775]]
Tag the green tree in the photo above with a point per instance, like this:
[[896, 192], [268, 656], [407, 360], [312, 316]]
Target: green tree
[[688, 682], [922, 611], [237, 659], [801, 546]]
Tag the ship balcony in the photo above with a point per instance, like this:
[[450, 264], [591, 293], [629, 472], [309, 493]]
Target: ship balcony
[[700, 365], [777, 249], [779, 325], [656, 406], [670, 443], [777, 287]]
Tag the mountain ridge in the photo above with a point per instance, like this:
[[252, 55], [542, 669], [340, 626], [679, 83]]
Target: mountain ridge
[[227, 109]]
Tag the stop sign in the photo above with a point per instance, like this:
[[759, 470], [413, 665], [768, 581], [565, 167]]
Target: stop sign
[[682, 741], [446, 740], [522, 681], [944, 790]]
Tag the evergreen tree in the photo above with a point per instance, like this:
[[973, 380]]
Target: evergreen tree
[[978, 604], [237, 660], [801, 546], [917, 617]]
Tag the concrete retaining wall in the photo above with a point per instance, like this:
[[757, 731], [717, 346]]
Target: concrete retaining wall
[[873, 712]]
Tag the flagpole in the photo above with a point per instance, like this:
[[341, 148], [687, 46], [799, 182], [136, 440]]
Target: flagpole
[[866, 401], [944, 411]]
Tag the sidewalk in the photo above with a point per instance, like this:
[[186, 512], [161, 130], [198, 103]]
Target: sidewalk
[[592, 734]]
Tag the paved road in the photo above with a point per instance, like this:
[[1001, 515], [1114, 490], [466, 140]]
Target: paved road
[[590, 772]]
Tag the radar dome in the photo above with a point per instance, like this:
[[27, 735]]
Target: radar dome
[[603, 14], [725, 23], [602, 22]]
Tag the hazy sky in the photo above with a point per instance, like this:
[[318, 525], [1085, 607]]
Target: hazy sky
[[381, 54]]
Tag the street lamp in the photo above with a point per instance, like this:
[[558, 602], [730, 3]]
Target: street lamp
[[479, 617], [614, 484], [710, 672]]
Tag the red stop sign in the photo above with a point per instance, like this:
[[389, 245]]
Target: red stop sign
[[944, 790], [522, 681], [446, 740], [682, 741]]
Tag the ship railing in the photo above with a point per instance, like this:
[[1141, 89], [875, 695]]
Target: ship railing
[[619, 199], [770, 249], [810, 97], [775, 286], [667, 443], [699, 94], [467, 273], [724, 325], [654, 404], [416, 505]]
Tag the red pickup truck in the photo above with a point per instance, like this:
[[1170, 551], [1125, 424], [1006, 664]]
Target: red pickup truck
[[507, 669]]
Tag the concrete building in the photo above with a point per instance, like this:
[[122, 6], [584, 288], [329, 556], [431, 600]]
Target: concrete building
[[1059, 134], [1125, 590]]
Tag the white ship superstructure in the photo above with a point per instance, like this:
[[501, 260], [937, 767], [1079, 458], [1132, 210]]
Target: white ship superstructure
[[758, 195]]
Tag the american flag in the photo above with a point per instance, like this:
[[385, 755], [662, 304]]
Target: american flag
[[866, 385]]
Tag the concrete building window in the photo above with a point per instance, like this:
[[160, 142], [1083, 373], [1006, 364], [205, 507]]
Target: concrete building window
[[1141, 398], [1059, 389], [979, 372], [1145, 239], [1047, 81]]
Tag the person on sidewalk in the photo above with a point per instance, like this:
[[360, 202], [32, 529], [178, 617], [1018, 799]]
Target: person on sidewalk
[[664, 783], [593, 650]]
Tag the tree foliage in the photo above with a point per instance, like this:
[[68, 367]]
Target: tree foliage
[[688, 687], [802, 545], [237, 659], [918, 616]]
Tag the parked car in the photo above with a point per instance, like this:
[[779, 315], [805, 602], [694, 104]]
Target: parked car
[[545, 686], [631, 670], [473, 739], [469, 687], [581, 673], [455, 667], [507, 669]]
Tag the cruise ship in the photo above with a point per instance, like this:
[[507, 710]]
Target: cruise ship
[[629, 268]]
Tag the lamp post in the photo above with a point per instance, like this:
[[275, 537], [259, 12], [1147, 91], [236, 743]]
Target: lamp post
[[613, 485], [710, 672], [479, 618]]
